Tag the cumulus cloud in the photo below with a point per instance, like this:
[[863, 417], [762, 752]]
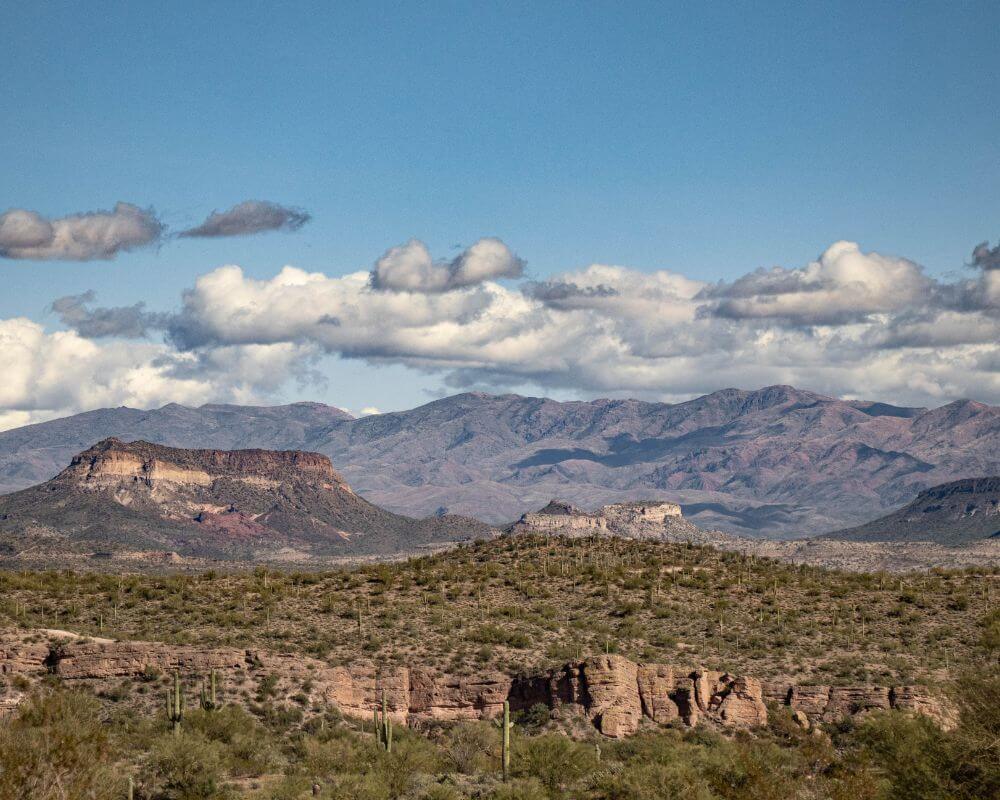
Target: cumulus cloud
[[601, 330], [847, 321], [79, 237], [843, 285], [128, 322], [249, 217], [409, 267], [52, 374]]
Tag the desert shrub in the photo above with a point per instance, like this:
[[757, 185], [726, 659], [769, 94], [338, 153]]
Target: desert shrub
[[523, 789], [533, 718], [359, 787], [339, 752], [975, 750], [639, 781], [54, 748], [248, 748], [411, 754], [556, 760], [494, 634], [752, 770], [990, 636], [471, 747], [440, 791], [187, 767]]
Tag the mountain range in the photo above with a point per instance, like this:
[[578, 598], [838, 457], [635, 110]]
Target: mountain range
[[131, 499], [778, 461]]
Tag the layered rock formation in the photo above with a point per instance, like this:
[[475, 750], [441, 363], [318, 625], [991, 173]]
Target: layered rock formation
[[616, 694], [650, 519], [119, 497]]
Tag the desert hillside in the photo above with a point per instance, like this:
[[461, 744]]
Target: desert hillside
[[631, 668]]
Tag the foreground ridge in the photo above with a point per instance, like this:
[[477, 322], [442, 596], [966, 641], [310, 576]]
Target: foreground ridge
[[616, 694]]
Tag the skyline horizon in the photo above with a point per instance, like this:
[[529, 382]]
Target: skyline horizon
[[370, 412]]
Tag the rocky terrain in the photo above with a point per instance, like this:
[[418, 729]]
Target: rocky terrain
[[956, 513], [617, 695], [774, 462], [661, 521], [120, 499]]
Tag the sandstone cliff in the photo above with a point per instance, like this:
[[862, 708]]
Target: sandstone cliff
[[616, 694]]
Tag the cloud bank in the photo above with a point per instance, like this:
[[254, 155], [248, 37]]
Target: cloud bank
[[851, 323], [79, 237], [249, 217]]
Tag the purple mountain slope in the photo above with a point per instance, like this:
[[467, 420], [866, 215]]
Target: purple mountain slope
[[778, 461]]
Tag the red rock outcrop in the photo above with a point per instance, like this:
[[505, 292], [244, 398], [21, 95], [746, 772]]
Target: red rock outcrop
[[616, 694]]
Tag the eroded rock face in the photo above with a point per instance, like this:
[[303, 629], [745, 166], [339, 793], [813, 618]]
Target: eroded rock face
[[612, 684], [652, 519], [616, 694]]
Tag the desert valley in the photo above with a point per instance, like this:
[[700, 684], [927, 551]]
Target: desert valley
[[260, 581], [499, 400]]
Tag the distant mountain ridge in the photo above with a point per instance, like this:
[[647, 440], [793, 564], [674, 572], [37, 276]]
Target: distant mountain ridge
[[775, 461], [955, 513], [135, 497]]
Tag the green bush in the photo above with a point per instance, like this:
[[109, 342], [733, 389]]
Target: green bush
[[187, 767], [56, 748], [248, 748], [471, 747], [524, 789], [556, 760]]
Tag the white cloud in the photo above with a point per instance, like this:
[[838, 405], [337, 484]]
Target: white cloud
[[409, 267], [51, 374], [849, 324], [844, 284], [78, 237]]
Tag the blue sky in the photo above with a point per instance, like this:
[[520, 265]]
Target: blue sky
[[707, 140]]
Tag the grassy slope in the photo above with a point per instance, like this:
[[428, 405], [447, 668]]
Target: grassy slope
[[523, 603]]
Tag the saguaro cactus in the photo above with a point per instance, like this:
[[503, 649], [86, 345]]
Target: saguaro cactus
[[209, 699], [505, 726], [383, 725], [175, 705]]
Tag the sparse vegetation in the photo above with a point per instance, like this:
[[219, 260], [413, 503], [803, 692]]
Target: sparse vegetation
[[528, 603], [58, 746], [513, 604]]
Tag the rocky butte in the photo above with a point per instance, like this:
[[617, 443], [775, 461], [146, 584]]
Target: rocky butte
[[119, 497], [616, 695], [639, 519]]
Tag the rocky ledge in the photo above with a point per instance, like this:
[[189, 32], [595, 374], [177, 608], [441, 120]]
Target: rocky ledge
[[112, 462], [652, 519], [617, 695]]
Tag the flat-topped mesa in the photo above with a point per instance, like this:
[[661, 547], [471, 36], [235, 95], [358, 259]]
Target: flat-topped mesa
[[638, 519], [617, 695], [113, 461]]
